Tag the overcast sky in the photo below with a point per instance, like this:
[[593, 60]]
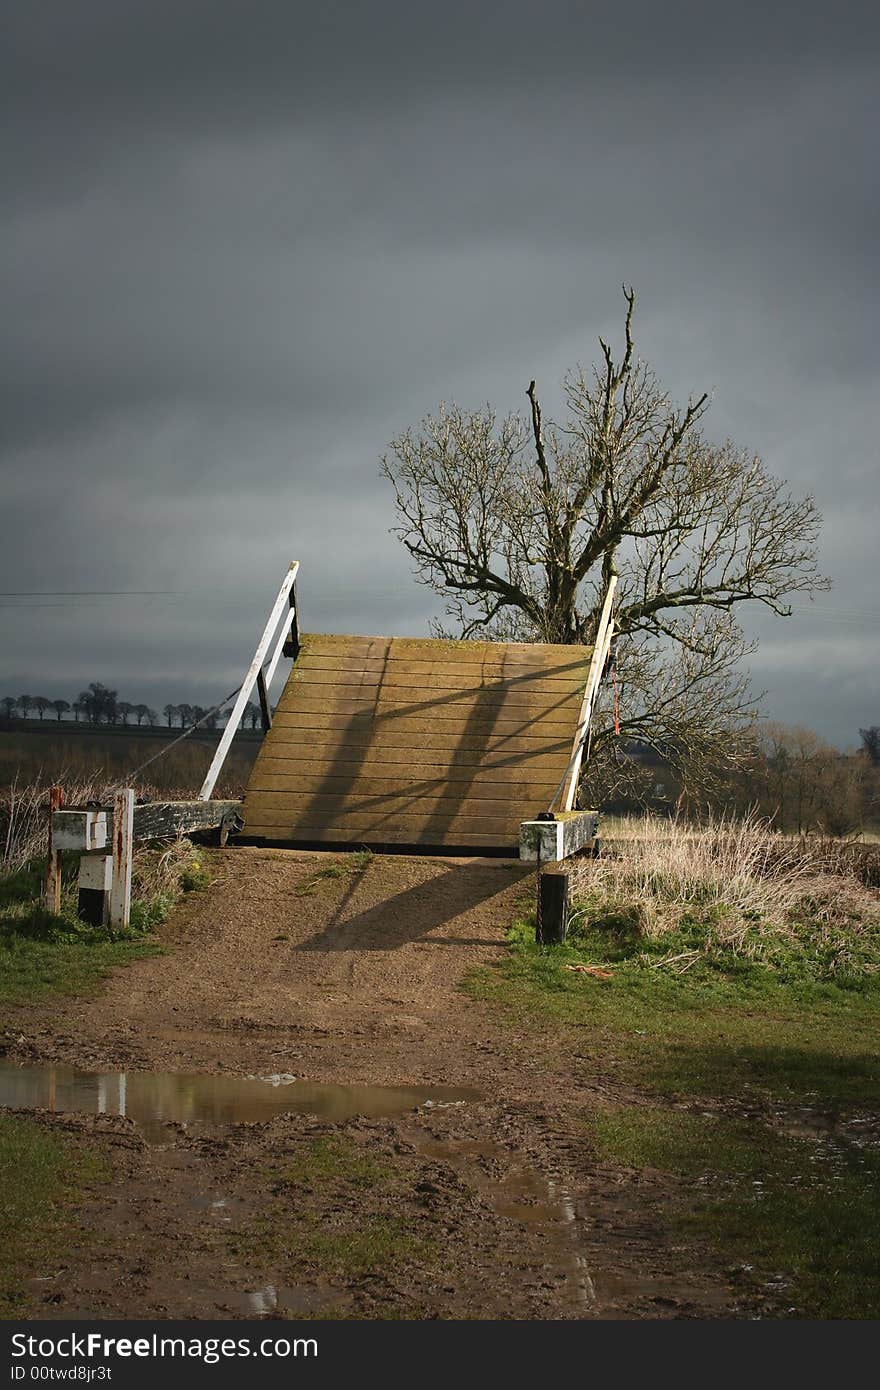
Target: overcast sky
[[244, 244]]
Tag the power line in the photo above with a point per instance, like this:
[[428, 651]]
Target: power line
[[85, 593], [65, 607]]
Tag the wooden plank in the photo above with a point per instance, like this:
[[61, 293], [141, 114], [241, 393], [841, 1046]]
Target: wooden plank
[[161, 820], [553, 904], [544, 842], [274, 764], [433, 670], [123, 855], [430, 695], [332, 835], [465, 715], [52, 890], [449, 773], [403, 676], [377, 812], [292, 740], [396, 668], [424, 830], [82, 829], [263, 693], [440, 683], [436, 648], [350, 792], [361, 722], [388, 798], [409, 685]]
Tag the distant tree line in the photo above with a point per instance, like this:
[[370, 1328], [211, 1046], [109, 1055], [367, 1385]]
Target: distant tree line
[[101, 706], [792, 777]]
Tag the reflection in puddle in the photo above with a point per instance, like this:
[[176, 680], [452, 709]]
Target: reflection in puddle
[[152, 1099], [271, 1298], [526, 1197]]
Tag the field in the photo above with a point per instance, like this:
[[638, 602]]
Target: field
[[675, 1114], [54, 752]]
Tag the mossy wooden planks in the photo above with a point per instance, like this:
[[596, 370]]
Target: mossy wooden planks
[[415, 741]]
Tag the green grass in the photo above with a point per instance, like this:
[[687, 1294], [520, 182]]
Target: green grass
[[332, 1158], [746, 1029], [737, 1036], [43, 1177], [355, 1247], [44, 954], [316, 1218], [799, 1216], [343, 868]]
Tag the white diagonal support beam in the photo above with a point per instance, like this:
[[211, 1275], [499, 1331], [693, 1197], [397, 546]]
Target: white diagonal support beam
[[597, 666], [281, 605]]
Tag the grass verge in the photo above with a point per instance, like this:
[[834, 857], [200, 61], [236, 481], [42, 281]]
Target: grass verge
[[720, 1019], [43, 1177], [798, 1217], [43, 953]]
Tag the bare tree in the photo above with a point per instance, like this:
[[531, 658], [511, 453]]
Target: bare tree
[[519, 524], [124, 709], [871, 743], [25, 704], [99, 704], [171, 713], [60, 707], [10, 705], [802, 784]]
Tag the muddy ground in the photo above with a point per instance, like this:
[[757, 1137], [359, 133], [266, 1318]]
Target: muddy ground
[[487, 1207]]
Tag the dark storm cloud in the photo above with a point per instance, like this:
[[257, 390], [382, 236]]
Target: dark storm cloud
[[243, 245]]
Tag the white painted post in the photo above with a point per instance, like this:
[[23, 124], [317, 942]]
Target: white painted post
[[52, 891], [123, 844]]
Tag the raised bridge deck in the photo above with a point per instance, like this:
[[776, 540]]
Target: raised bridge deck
[[422, 742]]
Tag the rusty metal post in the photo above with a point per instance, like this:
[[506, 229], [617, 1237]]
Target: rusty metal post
[[52, 897]]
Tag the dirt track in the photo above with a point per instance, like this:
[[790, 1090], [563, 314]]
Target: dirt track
[[282, 968]]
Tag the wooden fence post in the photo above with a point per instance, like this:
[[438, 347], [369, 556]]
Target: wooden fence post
[[52, 897], [123, 842], [553, 903]]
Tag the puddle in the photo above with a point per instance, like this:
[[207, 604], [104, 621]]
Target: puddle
[[271, 1298], [153, 1099]]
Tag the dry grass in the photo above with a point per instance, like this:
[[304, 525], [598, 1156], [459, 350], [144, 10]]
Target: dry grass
[[159, 872], [53, 757], [23, 816], [737, 885], [857, 854], [47, 952], [23, 811]]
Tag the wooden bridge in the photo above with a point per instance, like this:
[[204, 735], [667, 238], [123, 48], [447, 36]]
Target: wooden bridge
[[423, 742], [387, 742]]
